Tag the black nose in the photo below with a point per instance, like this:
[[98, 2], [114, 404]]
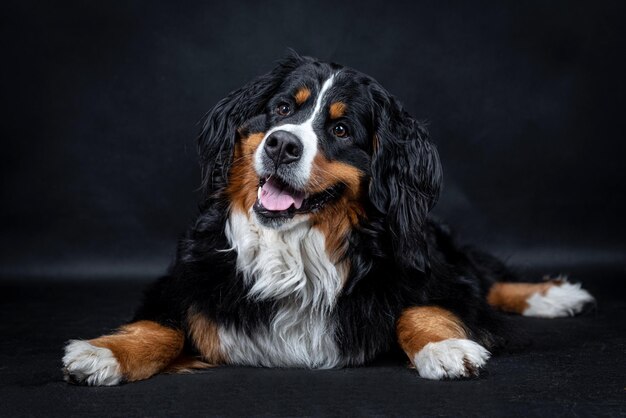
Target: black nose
[[283, 147]]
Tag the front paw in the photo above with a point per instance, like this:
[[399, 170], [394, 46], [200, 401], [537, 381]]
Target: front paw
[[450, 359], [90, 365]]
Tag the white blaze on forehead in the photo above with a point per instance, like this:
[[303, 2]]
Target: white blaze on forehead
[[307, 135]]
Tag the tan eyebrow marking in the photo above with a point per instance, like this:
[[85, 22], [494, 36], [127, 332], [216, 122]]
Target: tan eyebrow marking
[[337, 110], [302, 95]]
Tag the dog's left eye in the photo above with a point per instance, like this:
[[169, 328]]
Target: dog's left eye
[[340, 130], [283, 109]]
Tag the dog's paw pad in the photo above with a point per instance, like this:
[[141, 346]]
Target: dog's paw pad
[[450, 359], [563, 299], [90, 365]]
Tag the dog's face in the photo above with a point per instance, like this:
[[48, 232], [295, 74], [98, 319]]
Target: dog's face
[[309, 150], [316, 142]]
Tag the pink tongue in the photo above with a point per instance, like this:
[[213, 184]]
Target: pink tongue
[[275, 198]]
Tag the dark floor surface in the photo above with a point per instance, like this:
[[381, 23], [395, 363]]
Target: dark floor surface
[[566, 367]]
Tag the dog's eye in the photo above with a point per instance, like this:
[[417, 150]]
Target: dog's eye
[[340, 130], [283, 109]]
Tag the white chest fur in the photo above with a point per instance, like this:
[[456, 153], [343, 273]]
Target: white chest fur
[[292, 268]]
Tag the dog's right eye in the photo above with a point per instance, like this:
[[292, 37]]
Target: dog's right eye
[[283, 109]]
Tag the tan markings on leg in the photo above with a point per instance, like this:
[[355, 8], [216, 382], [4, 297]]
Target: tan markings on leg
[[243, 181], [204, 335], [419, 326], [337, 110], [186, 363], [513, 297], [302, 95], [336, 219], [143, 348]]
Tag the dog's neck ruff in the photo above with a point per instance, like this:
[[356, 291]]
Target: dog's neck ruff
[[291, 268], [284, 264]]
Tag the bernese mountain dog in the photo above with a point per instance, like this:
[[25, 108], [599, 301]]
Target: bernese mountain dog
[[314, 248]]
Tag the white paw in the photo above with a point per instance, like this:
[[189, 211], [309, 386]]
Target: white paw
[[566, 299], [450, 359], [87, 364]]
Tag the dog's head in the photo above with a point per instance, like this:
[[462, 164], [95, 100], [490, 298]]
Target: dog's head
[[320, 143]]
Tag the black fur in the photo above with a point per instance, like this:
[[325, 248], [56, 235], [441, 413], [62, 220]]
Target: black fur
[[217, 138], [399, 257], [406, 178]]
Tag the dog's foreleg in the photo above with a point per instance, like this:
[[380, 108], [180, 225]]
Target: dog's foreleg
[[136, 351], [437, 344]]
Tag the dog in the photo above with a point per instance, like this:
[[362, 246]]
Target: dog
[[314, 247]]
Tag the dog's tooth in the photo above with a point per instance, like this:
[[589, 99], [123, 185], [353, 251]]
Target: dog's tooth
[[258, 193]]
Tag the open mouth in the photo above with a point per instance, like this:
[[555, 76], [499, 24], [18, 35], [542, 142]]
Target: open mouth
[[277, 199]]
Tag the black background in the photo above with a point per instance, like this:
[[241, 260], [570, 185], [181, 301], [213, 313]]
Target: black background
[[525, 101]]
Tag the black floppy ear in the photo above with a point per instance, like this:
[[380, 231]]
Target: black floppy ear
[[217, 138], [405, 180]]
